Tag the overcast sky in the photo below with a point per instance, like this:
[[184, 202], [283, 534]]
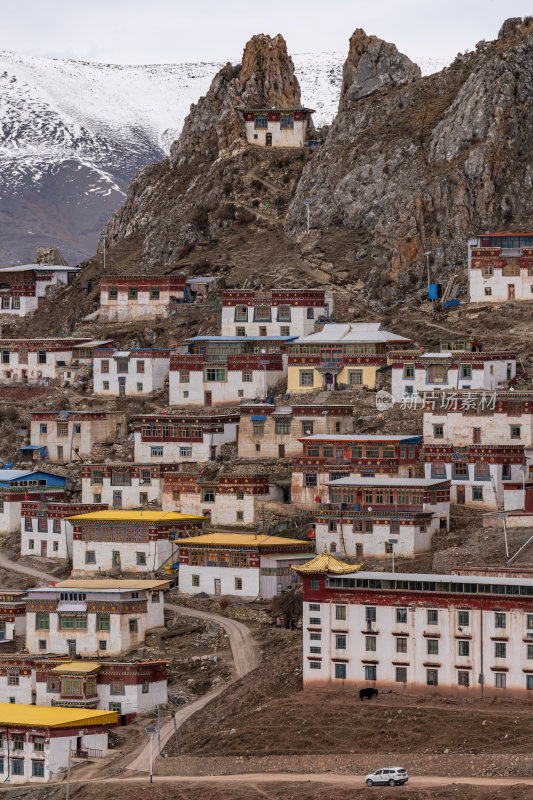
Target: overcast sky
[[167, 31]]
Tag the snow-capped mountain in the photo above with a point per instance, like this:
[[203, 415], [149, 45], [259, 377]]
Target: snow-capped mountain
[[73, 133]]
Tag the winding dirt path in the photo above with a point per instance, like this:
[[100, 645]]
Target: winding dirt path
[[14, 566], [244, 654]]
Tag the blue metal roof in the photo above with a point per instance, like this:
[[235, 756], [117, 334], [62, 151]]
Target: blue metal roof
[[8, 476]]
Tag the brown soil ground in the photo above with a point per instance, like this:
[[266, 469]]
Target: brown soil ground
[[267, 712]]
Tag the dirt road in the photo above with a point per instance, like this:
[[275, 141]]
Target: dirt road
[[244, 654], [14, 566]]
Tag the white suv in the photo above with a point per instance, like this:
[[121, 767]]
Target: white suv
[[394, 776]]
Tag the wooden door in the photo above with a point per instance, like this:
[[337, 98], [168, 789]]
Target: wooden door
[[460, 495], [339, 456], [268, 140], [208, 399], [359, 551], [511, 291], [71, 647], [218, 588], [213, 452], [115, 558], [43, 548], [281, 450]]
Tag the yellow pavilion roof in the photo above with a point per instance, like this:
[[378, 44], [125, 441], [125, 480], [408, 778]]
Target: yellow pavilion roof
[[135, 516], [325, 563], [239, 540], [53, 716], [78, 667]]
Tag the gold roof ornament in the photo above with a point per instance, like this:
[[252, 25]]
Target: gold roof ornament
[[325, 563]]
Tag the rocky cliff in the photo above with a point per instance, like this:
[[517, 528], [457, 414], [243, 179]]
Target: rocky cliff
[[420, 164], [409, 165]]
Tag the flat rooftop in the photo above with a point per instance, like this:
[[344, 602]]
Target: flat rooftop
[[53, 716]]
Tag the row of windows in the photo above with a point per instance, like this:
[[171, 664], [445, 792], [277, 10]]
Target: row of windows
[[171, 430], [16, 766], [61, 429], [195, 581], [133, 293], [335, 352], [349, 452], [425, 586], [461, 470], [432, 675], [380, 497], [42, 524], [263, 313], [515, 432], [123, 365], [222, 558], [41, 356], [105, 387]]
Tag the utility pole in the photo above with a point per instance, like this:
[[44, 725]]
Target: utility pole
[[150, 732], [427, 255], [173, 714], [158, 731]]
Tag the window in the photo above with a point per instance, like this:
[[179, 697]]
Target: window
[[18, 741], [262, 313], [117, 687], [432, 677], [28, 524], [463, 677], [306, 377], [307, 428], [282, 427], [53, 685], [432, 616], [438, 431], [314, 620], [42, 524], [460, 469], [284, 313], [340, 612], [355, 377], [215, 374], [132, 293], [133, 626], [42, 644], [310, 479], [5, 356], [500, 650], [195, 580], [208, 495], [17, 764], [506, 472], [315, 637], [116, 707], [139, 387], [340, 670], [41, 356], [466, 371], [529, 685], [477, 493], [141, 559], [463, 648], [408, 371], [315, 665], [401, 644], [370, 643], [185, 376], [62, 429], [481, 471], [437, 373], [315, 650], [287, 121], [104, 622], [500, 680], [105, 386], [238, 584], [156, 452], [112, 293], [240, 516], [31, 544], [438, 469], [13, 679], [463, 619], [154, 294], [500, 620], [310, 313], [241, 314], [140, 366], [90, 557], [145, 687], [370, 613], [401, 674], [240, 331], [42, 621], [104, 366], [370, 672], [314, 583], [247, 376], [260, 121], [258, 428], [185, 452], [432, 647], [515, 431]]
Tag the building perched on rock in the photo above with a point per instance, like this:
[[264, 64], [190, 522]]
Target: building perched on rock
[[341, 355], [468, 632], [92, 618], [41, 742], [239, 564], [223, 370], [173, 438], [500, 267], [130, 541], [278, 312], [279, 126], [331, 457], [17, 485], [140, 296], [415, 373], [130, 373], [378, 516], [270, 431], [223, 500], [23, 288], [45, 529], [43, 361], [65, 436]]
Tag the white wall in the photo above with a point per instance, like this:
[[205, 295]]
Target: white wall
[[493, 373], [227, 392], [227, 575], [152, 379], [499, 285], [201, 451], [299, 324], [295, 137], [130, 494], [63, 540], [156, 552]]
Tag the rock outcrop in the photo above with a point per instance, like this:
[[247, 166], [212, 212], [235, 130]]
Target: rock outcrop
[[373, 65], [419, 166]]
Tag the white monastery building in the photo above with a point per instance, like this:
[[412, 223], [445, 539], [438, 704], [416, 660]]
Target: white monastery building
[[378, 516], [92, 618], [12, 618], [45, 530], [176, 438], [23, 288], [500, 267], [122, 485], [130, 373], [140, 297], [39, 361], [18, 485], [468, 632], [278, 127], [279, 312]]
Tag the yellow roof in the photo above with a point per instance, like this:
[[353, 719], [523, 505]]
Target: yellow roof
[[78, 666], [239, 540], [135, 516], [53, 716], [111, 583], [325, 563]]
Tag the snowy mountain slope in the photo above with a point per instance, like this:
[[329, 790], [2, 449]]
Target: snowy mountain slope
[[73, 133]]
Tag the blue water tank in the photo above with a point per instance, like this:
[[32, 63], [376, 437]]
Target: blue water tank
[[433, 291]]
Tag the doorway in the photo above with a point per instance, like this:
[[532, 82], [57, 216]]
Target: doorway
[[218, 588], [339, 455], [268, 140], [460, 495], [281, 451], [359, 551], [115, 559], [71, 643], [117, 499], [43, 549], [213, 452], [122, 387], [208, 399], [511, 291]]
